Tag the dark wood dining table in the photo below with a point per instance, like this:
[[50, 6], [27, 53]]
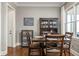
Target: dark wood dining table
[[42, 40]]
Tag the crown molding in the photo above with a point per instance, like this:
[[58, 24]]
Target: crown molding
[[39, 4]]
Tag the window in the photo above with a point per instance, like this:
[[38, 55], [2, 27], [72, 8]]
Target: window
[[77, 21], [77, 29], [77, 16], [68, 17], [70, 20], [69, 27]]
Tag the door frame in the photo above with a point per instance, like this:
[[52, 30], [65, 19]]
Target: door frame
[[14, 31]]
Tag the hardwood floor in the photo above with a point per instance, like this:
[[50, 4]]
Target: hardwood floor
[[18, 51]]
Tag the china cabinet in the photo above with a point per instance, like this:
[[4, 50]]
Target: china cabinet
[[49, 25], [26, 36]]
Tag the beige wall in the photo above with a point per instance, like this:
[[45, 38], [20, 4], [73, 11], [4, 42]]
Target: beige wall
[[35, 12]]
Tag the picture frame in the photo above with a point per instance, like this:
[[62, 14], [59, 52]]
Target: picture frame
[[28, 21]]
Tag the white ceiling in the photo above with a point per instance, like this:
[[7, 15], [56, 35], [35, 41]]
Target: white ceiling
[[40, 4]]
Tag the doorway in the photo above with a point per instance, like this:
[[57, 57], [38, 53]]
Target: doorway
[[11, 27]]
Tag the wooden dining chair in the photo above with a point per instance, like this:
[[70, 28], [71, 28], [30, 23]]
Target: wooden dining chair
[[67, 43], [34, 49], [54, 44]]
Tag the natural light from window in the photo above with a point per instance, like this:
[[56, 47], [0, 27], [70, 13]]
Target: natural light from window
[[77, 22], [70, 20]]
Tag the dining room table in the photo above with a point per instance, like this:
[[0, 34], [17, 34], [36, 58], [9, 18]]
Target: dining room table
[[43, 40]]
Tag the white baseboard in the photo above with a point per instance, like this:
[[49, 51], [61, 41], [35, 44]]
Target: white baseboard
[[74, 52], [0, 53], [3, 53], [18, 44], [13, 46]]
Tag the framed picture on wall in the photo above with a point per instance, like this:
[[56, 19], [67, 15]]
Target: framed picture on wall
[[29, 21]]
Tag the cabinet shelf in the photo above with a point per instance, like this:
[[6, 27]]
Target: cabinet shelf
[[24, 37], [49, 24]]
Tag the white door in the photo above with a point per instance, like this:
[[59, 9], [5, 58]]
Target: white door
[[11, 27]]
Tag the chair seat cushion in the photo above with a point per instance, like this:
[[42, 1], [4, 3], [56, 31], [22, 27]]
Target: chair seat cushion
[[65, 46], [35, 43], [34, 46], [38, 37], [51, 38], [51, 50]]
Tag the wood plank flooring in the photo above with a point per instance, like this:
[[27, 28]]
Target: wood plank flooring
[[19, 51]]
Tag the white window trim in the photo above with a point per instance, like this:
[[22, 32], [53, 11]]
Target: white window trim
[[0, 28], [75, 12]]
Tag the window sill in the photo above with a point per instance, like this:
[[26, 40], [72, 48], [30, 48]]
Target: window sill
[[75, 38]]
